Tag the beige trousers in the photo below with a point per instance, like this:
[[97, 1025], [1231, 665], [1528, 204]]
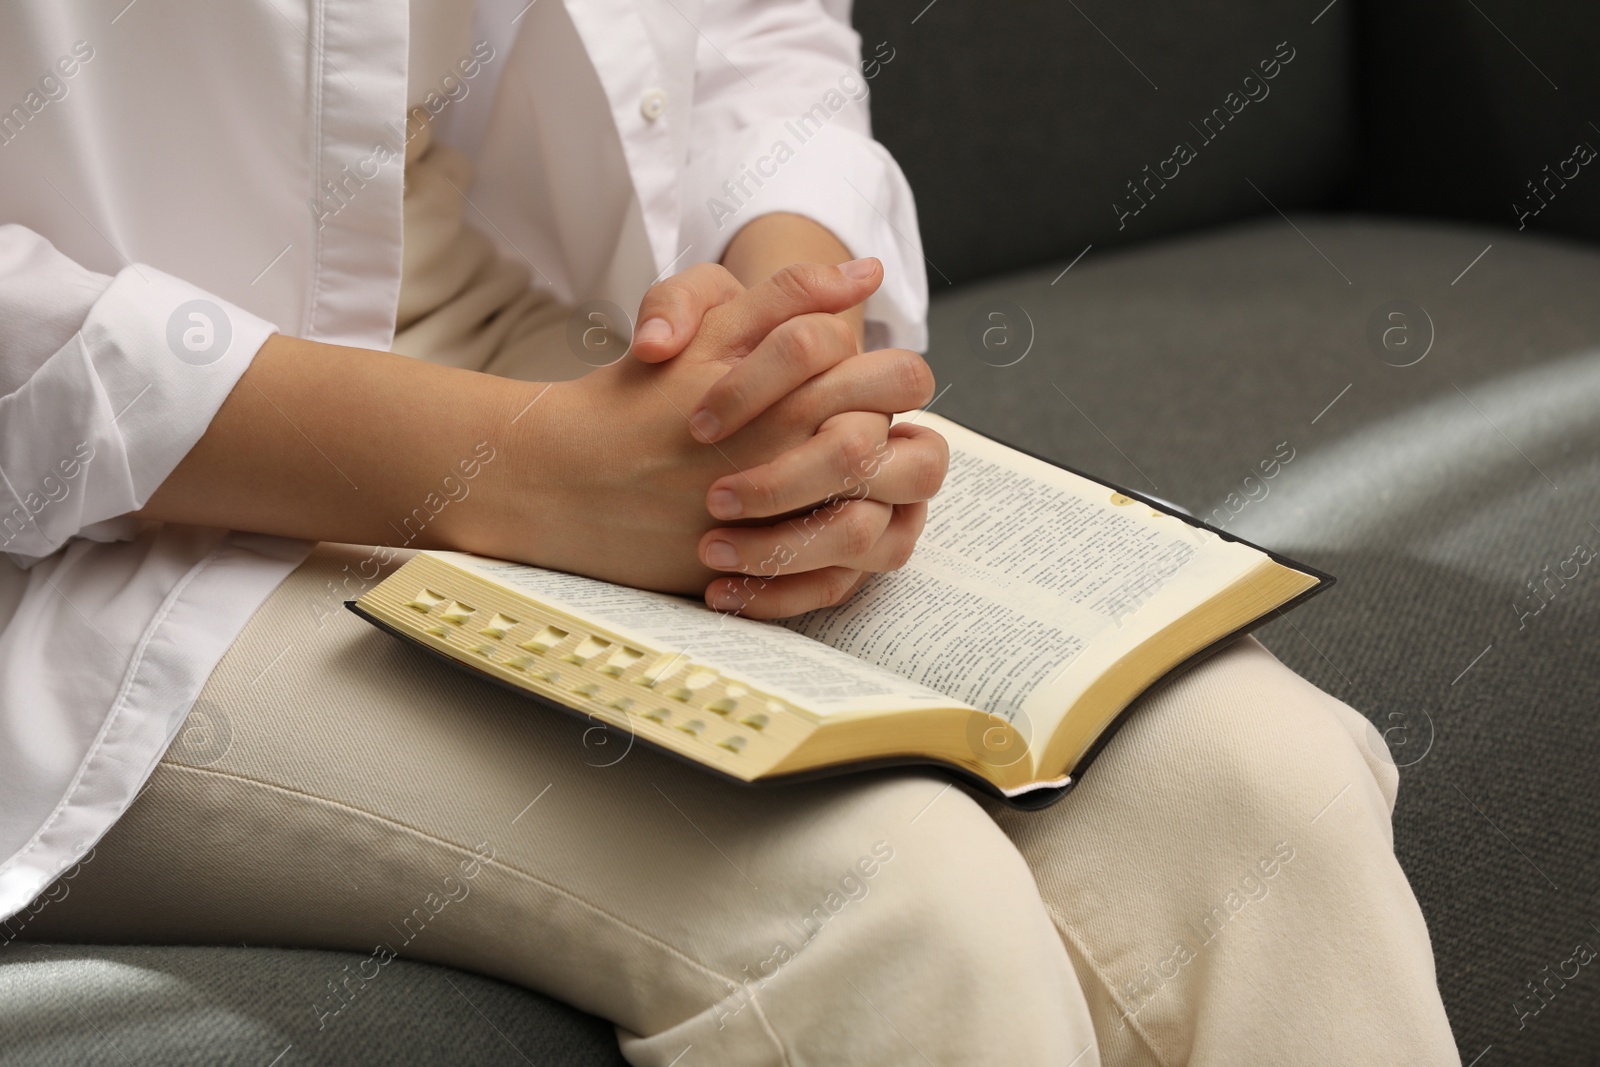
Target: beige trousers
[[1221, 889]]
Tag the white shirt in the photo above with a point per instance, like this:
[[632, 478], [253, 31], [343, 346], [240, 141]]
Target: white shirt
[[175, 189]]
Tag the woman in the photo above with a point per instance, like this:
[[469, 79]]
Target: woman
[[249, 286]]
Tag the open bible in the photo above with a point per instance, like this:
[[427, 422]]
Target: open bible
[[1037, 606]]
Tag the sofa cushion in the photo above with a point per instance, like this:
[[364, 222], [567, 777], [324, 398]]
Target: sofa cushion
[[1022, 125], [135, 1006], [1435, 481]]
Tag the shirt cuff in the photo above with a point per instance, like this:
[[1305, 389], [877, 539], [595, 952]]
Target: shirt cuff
[[846, 182], [96, 429]]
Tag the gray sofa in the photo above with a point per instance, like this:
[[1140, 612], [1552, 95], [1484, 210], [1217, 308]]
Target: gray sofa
[[1337, 270]]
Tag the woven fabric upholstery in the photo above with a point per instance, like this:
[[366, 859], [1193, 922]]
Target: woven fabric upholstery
[[1020, 125], [1462, 105], [139, 1006]]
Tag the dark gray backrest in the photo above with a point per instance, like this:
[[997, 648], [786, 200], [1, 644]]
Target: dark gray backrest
[[1032, 128], [1463, 105]]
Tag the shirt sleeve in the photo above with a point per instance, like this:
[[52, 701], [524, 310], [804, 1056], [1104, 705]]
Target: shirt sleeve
[[105, 384], [780, 123]]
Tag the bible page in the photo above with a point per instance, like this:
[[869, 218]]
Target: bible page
[[768, 658], [1028, 581]]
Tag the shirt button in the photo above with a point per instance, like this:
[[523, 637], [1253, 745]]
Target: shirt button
[[653, 104]]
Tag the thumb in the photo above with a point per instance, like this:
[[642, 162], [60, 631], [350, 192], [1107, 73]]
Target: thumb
[[671, 311]]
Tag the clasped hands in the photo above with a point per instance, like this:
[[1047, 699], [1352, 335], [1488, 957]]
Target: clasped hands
[[746, 453]]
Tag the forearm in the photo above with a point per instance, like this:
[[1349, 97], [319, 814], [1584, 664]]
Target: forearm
[[343, 444], [598, 476], [771, 242]]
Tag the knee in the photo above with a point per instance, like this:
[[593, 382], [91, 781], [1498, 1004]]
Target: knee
[[947, 922], [1279, 752], [953, 890]]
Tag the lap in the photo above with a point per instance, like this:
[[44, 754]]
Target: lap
[[334, 789]]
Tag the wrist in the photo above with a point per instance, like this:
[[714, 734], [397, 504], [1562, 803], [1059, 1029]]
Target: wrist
[[530, 484]]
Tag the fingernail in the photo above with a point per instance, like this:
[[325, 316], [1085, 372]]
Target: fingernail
[[705, 424], [725, 599], [858, 268], [721, 554], [724, 504], [654, 331]]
